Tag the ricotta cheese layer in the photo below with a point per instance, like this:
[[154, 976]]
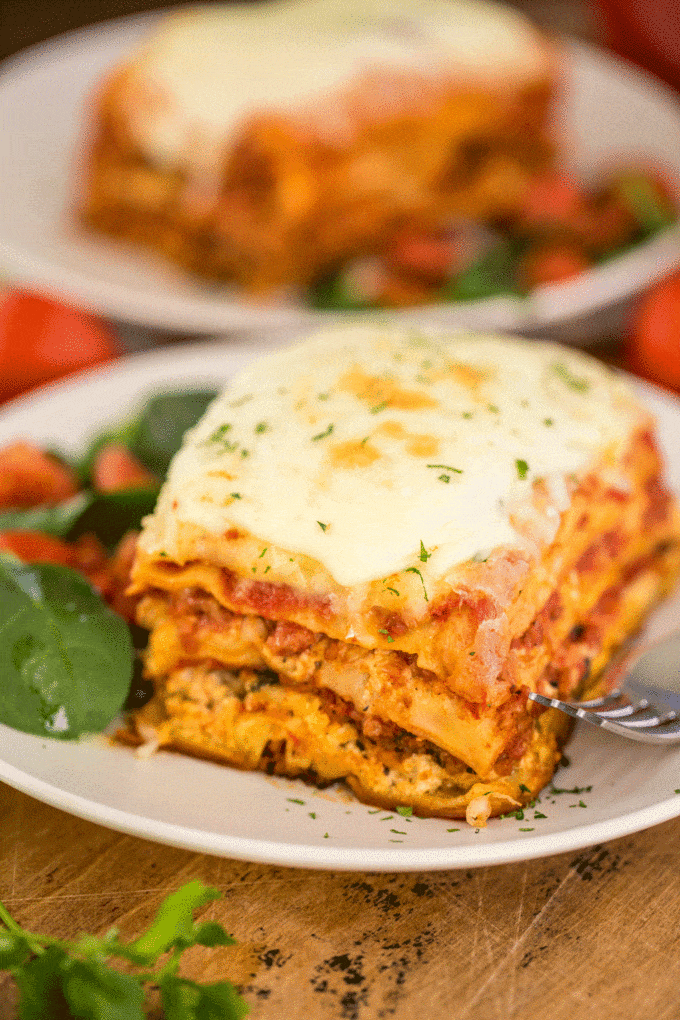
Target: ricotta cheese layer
[[207, 68], [377, 449]]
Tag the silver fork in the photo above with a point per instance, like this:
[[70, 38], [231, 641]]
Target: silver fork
[[644, 700]]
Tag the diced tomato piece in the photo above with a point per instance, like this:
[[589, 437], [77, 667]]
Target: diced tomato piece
[[428, 254], [552, 197], [653, 344], [36, 547], [42, 340], [30, 477], [552, 263], [120, 568], [86, 555], [116, 468]]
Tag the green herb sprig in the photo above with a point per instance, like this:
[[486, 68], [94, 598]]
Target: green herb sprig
[[58, 979]]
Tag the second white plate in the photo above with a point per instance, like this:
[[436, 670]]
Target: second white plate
[[609, 112]]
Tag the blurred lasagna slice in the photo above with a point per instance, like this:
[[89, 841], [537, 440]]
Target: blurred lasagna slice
[[376, 543], [264, 143]]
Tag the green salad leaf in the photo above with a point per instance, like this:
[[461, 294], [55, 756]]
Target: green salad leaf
[[51, 520], [67, 658], [59, 980], [109, 515], [160, 428]]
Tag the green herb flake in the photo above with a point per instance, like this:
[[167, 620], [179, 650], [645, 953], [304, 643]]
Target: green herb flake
[[236, 495], [398, 832], [295, 800], [575, 382], [312, 814], [539, 814], [218, 435], [522, 469], [525, 830], [323, 526], [379, 407], [267, 568], [387, 818], [322, 435], [444, 478], [414, 570], [376, 811], [493, 408], [465, 414], [405, 810], [364, 440], [424, 554], [325, 835], [573, 789], [261, 427], [262, 553], [519, 815], [393, 590], [245, 453], [387, 634], [453, 830], [524, 789], [322, 396], [446, 467], [548, 422]]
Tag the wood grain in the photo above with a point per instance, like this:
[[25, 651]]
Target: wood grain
[[593, 934]]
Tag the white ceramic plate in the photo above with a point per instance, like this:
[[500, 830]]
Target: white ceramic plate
[[211, 808], [609, 112]]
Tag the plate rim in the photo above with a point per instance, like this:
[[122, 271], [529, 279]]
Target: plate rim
[[180, 361], [205, 314]]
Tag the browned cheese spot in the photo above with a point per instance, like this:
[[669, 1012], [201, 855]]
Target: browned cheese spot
[[352, 454], [417, 444], [376, 391]]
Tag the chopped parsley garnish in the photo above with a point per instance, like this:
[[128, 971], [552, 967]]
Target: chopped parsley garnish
[[312, 814], [424, 554], [322, 435], [387, 818], [453, 830], [398, 832], [446, 467], [414, 570], [322, 396], [267, 568], [524, 789], [218, 435], [522, 469], [379, 407], [493, 408], [405, 810], [236, 495], [244, 453], [539, 814], [393, 590], [519, 815], [575, 382], [525, 830], [262, 553], [295, 800], [548, 422], [574, 789], [465, 414], [364, 440], [262, 427], [387, 634], [444, 478], [322, 525]]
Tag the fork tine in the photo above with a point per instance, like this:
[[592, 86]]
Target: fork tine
[[639, 720]]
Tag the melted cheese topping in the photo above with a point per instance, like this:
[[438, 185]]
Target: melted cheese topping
[[206, 69], [376, 450]]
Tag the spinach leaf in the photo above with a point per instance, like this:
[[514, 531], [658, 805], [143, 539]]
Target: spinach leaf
[[155, 433], [67, 658], [109, 515], [160, 428], [51, 520], [493, 274]]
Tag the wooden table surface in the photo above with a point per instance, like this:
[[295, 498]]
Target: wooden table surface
[[587, 935]]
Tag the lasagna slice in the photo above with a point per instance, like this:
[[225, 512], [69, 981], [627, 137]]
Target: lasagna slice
[[377, 542], [264, 143]]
